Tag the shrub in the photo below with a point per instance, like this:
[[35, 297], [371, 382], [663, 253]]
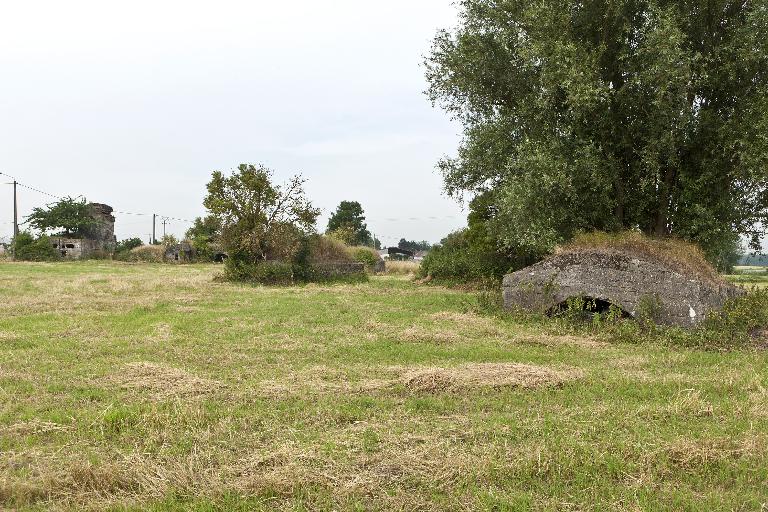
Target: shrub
[[367, 256], [128, 244], [740, 319], [27, 248], [460, 256], [318, 258], [273, 273]]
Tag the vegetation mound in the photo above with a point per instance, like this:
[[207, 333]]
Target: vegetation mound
[[679, 255]]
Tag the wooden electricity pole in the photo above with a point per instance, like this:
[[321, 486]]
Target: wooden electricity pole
[[15, 212]]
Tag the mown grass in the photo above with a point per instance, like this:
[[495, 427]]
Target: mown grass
[[151, 387]]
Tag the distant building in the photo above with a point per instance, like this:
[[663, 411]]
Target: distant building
[[395, 253], [99, 238], [420, 255]]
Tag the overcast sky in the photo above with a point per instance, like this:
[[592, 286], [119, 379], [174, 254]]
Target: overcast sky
[[134, 104]]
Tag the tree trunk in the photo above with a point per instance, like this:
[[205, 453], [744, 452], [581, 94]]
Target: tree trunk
[[661, 223]]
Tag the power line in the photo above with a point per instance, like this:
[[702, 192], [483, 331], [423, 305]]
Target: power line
[[114, 211]]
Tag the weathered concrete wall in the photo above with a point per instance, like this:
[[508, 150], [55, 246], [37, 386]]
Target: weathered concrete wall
[[621, 279], [180, 253], [337, 269], [104, 230], [76, 248]]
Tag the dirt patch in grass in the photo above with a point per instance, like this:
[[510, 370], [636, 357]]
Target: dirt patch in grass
[[162, 381], [488, 375]]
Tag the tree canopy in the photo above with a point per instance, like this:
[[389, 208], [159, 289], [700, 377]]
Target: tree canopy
[[413, 245], [348, 224], [610, 115], [68, 217], [259, 219]]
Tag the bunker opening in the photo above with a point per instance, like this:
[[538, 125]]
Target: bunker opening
[[588, 307]]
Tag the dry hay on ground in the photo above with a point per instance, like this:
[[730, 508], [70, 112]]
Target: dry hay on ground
[[488, 375], [567, 340], [162, 381], [423, 334], [319, 379], [692, 453]]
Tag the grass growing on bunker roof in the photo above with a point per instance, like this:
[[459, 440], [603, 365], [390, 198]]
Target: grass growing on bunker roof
[[684, 257]]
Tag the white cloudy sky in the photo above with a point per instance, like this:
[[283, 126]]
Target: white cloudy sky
[[135, 103]]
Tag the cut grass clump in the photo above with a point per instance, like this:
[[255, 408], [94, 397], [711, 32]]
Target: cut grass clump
[[162, 382], [488, 375], [682, 256]]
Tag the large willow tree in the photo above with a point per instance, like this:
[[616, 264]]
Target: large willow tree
[[610, 115]]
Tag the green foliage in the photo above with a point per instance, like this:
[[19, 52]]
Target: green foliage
[[203, 235], [260, 221], [584, 116], [26, 247], [71, 217], [169, 240], [347, 224], [413, 245], [128, 244], [740, 319], [474, 253], [271, 273], [737, 325], [314, 261], [365, 255]]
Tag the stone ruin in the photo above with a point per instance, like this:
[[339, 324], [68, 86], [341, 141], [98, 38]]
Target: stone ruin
[[180, 253], [625, 280], [98, 238]]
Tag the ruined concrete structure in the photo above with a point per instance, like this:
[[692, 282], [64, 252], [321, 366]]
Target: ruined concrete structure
[[180, 253], [632, 282], [98, 238], [338, 269]]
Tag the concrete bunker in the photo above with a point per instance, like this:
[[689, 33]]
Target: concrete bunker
[[634, 283], [99, 238]]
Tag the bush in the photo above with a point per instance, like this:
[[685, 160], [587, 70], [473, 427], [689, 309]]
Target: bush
[[460, 256], [128, 244], [272, 273], [367, 256], [27, 248]]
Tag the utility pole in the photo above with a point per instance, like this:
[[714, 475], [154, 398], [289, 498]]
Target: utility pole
[[154, 219], [15, 212], [165, 221]]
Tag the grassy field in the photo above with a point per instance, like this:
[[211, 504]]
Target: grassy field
[[150, 387]]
